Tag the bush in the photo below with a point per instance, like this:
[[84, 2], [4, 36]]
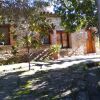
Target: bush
[[55, 48], [14, 59], [14, 50]]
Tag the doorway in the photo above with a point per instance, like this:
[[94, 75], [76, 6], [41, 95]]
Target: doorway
[[90, 43]]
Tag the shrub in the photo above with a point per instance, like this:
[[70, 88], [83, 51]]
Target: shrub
[[55, 48], [14, 50]]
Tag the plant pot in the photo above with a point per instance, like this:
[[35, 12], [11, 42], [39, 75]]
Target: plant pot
[[55, 55]]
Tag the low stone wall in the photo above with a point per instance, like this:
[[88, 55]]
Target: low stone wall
[[72, 51]]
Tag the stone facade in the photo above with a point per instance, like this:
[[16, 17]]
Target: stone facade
[[77, 41]]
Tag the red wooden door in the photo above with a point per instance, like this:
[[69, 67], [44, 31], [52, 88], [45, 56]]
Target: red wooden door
[[90, 43]]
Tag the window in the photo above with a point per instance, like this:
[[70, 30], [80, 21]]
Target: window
[[4, 35], [63, 39], [46, 39]]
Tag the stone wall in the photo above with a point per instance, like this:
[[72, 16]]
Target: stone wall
[[77, 39]]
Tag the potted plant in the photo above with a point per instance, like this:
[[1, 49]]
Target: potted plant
[[55, 51]]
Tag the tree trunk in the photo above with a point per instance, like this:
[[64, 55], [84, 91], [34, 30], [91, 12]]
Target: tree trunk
[[28, 50], [98, 8]]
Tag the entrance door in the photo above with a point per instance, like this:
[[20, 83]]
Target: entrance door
[[62, 39], [90, 43]]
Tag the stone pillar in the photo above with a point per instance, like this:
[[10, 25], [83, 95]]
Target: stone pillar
[[11, 32], [54, 37], [12, 42]]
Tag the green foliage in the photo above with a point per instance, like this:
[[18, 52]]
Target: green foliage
[[75, 14], [27, 38], [35, 43], [15, 9], [55, 48], [23, 92], [32, 14], [39, 23], [2, 37], [14, 50], [15, 36]]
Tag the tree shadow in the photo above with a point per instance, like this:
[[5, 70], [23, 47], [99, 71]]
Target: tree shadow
[[59, 84]]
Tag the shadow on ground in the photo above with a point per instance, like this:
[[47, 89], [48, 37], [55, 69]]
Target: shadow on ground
[[62, 61], [77, 82]]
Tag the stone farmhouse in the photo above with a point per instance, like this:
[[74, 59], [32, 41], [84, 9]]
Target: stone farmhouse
[[81, 42]]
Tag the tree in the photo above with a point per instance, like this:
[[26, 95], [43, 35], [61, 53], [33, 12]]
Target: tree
[[98, 8], [23, 13], [76, 14]]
